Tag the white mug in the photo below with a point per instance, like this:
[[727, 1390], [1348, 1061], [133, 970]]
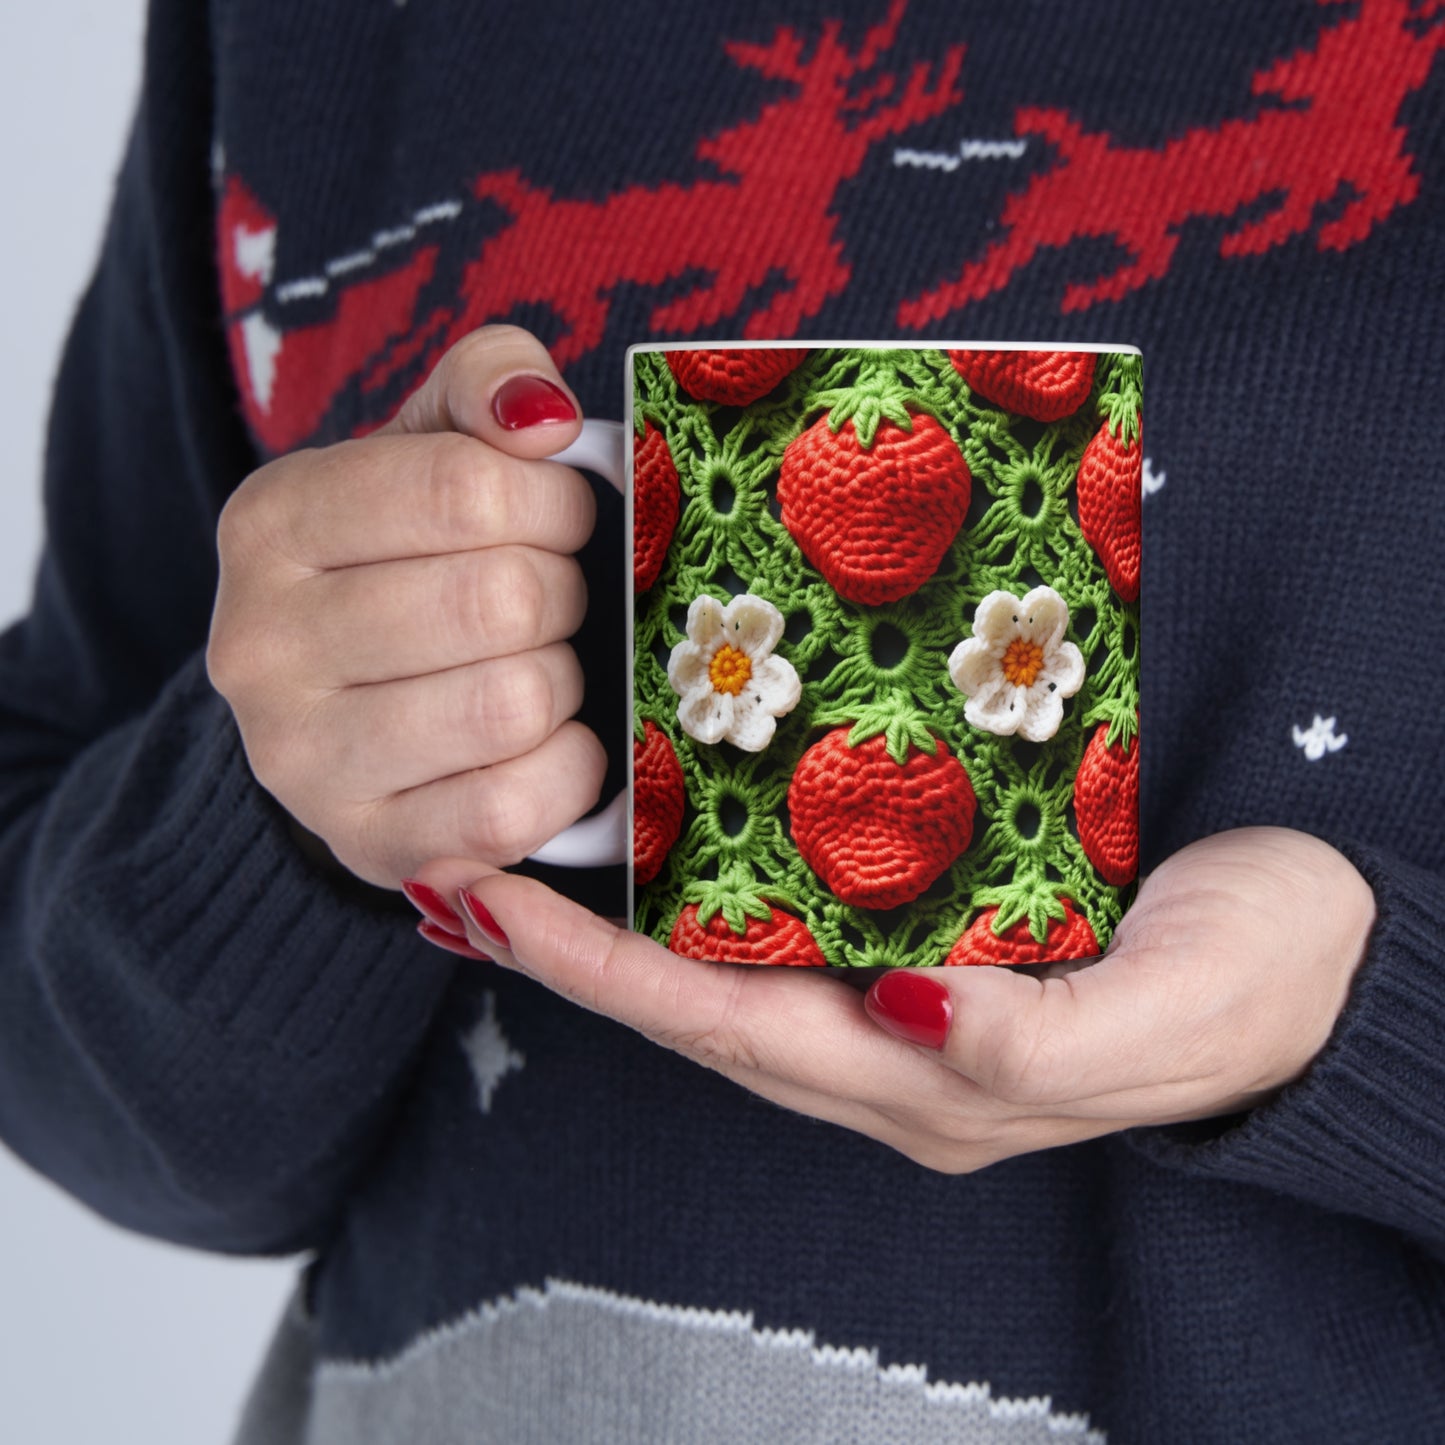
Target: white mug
[[605, 837]]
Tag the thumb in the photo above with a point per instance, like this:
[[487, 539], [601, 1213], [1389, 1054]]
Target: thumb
[[500, 386], [1028, 1039]]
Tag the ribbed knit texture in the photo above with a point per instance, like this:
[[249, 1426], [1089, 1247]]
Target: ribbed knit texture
[[205, 1036], [1362, 1132]]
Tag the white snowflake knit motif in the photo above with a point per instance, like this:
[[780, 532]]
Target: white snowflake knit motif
[[489, 1053], [1319, 738]]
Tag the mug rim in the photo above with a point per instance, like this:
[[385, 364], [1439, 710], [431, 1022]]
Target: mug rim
[[863, 344]]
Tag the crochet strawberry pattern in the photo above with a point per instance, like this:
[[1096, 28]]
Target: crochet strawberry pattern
[[658, 801], [1068, 937], [733, 378], [876, 829], [874, 517], [1111, 490], [1042, 385], [656, 503], [862, 522], [777, 939], [1106, 805]]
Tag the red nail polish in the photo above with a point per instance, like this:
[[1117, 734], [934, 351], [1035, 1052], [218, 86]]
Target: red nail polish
[[450, 941], [432, 905], [529, 401], [911, 1006], [486, 925]]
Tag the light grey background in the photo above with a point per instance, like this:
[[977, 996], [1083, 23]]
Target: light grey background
[[103, 1336]]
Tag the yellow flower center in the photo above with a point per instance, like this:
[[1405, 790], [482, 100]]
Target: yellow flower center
[[1022, 662], [729, 670]]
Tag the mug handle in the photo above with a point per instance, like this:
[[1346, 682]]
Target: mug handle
[[603, 838]]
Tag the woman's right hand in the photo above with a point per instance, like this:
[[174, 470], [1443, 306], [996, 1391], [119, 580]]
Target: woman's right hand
[[391, 622]]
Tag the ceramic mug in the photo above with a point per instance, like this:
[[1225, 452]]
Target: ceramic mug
[[884, 650]]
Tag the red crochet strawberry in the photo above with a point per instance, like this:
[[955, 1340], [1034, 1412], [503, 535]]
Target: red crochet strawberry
[[1106, 806], [1067, 937], [875, 521], [656, 499], [877, 831], [657, 802], [779, 939], [1044, 385], [1110, 493], [733, 378]]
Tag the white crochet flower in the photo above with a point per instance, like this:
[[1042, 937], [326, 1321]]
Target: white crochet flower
[[1016, 669], [731, 685]]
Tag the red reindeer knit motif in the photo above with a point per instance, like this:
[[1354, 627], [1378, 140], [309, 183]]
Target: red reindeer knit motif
[[1044, 385], [1106, 805], [733, 378], [874, 521], [657, 801], [656, 499], [878, 832], [1067, 937], [779, 939]]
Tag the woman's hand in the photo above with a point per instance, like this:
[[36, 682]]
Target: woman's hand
[[391, 619], [1221, 985]]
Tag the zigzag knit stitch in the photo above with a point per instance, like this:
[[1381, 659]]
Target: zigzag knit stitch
[[754, 823]]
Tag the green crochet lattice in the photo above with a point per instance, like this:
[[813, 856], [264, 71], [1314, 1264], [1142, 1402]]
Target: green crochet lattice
[[884, 665]]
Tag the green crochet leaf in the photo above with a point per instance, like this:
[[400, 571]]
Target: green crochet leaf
[[902, 729]]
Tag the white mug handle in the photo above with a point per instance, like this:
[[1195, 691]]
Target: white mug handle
[[603, 838]]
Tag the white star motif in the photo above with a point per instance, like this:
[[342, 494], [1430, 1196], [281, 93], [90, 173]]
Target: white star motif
[[1151, 481], [1319, 738], [492, 1058]]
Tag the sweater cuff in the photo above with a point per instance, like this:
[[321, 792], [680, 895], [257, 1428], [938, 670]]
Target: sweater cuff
[[1362, 1132], [195, 887]]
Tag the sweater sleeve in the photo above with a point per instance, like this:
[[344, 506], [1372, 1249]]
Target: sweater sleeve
[[201, 1036], [1362, 1132]]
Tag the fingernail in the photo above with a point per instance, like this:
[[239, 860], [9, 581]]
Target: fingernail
[[485, 924], [529, 401], [911, 1006], [450, 941], [432, 905]]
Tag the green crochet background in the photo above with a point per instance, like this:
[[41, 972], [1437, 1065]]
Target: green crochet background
[[884, 664]]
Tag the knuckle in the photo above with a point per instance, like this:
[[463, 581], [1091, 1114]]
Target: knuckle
[[599, 984], [516, 705], [465, 497], [282, 764], [587, 764], [571, 591], [366, 842], [237, 658], [243, 658], [477, 347], [224, 659], [514, 599], [1019, 1064], [256, 515], [503, 819], [718, 1044]]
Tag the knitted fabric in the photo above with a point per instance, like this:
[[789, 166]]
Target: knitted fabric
[[876, 498]]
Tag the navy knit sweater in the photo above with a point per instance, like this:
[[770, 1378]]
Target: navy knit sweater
[[529, 1224]]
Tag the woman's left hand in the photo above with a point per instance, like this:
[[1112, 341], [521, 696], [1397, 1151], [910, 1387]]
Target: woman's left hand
[[1220, 986]]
